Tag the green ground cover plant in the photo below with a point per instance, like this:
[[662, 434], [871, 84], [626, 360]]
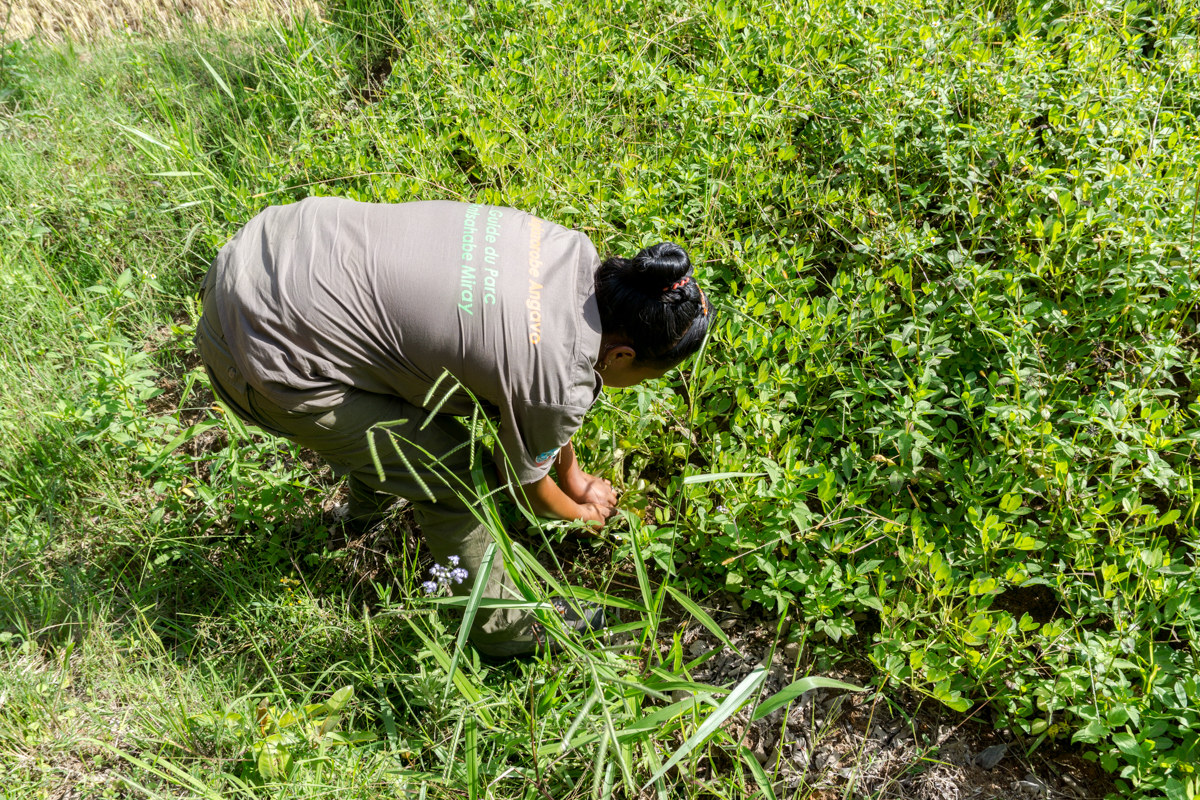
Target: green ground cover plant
[[945, 423]]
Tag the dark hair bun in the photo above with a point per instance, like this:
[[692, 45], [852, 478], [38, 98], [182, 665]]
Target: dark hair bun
[[657, 267], [653, 301]]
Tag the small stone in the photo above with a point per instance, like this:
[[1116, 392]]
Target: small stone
[[1072, 784], [990, 757], [1032, 787]]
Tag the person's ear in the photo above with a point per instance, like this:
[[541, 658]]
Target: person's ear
[[620, 356]]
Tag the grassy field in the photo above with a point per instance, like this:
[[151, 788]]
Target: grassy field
[[953, 253]]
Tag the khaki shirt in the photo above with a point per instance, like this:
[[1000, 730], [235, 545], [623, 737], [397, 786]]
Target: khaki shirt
[[328, 296]]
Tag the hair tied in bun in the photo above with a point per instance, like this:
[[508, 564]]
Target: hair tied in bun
[[654, 302]]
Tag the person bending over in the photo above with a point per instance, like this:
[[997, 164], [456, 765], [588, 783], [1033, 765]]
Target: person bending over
[[326, 318]]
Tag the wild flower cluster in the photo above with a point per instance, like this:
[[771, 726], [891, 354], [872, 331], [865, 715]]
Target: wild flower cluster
[[442, 576]]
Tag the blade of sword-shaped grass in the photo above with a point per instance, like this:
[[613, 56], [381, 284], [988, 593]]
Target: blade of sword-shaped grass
[[702, 617], [741, 694], [481, 579]]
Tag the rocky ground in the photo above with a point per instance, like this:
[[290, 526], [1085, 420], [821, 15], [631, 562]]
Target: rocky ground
[[835, 744]]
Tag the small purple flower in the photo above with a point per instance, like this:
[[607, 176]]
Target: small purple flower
[[442, 577]]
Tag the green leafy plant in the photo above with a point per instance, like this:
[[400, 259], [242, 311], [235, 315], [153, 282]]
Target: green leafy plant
[[281, 741]]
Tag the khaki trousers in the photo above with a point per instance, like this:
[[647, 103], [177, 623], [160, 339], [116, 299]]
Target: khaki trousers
[[439, 456]]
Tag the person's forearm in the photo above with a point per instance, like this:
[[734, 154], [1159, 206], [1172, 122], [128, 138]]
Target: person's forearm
[[566, 468], [546, 499]]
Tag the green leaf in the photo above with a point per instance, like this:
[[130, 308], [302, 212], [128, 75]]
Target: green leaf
[[483, 574], [600, 598], [702, 617], [1091, 733], [340, 698], [741, 694], [217, 78], [643, 577], [1128, 745], [289, 718], [653, 723], [720, 476], [274, 762], [142, 135], [472, 755], [794, 690], [760, 776], [1175, 790], [484, 602], [336, 738]]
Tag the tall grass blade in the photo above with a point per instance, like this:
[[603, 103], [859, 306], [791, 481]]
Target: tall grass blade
[[433, 412], [189, 433], [741, 694], [791, 692], [179, 777], [147, 137], [220, 82], [720, 476], [566, 745], [472, 757], [760, 775], [643, 578], [481, 580], [598, 767], [462, 682], [643, 728], [702, 617]]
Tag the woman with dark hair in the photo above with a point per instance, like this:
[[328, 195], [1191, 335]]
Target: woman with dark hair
[[341, 325]]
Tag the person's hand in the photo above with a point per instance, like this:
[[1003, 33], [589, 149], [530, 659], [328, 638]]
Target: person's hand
[[588, 489], [595, 513]]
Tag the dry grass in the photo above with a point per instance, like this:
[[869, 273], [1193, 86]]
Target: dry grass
[[92, 20]]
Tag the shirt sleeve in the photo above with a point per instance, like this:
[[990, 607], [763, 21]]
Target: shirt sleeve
[[531, 436]]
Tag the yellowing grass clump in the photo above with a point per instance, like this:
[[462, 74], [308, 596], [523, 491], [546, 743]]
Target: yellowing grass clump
[[90, 20]]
